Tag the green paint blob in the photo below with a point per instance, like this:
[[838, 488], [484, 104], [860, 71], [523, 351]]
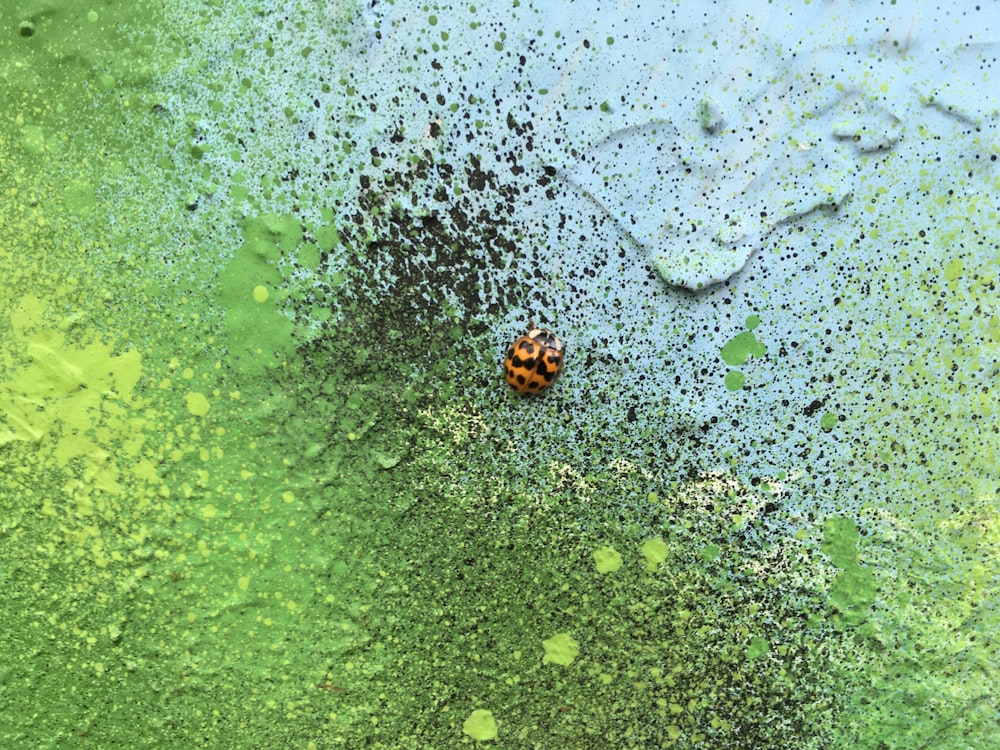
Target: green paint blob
[[828, 421], [197, 404], [655, 552], [272, 234], [561, 648], [607, 560], [853, 590], [734, 380], [80, 198], [309, 257], [953, 269], [758, 647], [852, 594], [480, 725], [840, 539], [260, 335], [327, 236], [708, 113], [33, 140], [66, 392], [741, 347]]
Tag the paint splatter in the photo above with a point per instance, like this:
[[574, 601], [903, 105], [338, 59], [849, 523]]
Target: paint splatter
[[255, 286]]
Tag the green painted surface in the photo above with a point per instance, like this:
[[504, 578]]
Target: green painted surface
[[251, 497]]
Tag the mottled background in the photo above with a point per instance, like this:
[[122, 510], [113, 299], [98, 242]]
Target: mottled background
[[263, 485]]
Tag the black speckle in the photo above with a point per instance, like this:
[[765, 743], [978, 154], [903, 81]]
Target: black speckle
[[814, 407]]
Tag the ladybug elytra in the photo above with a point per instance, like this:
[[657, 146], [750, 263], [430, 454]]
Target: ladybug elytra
[[533, 361]]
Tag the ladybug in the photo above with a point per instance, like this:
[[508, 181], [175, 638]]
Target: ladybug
[[533, 361]]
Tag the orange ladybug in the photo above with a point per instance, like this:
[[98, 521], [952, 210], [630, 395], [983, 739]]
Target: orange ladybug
[[533, 361]]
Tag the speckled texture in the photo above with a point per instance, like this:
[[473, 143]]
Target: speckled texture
[[263, 484]]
